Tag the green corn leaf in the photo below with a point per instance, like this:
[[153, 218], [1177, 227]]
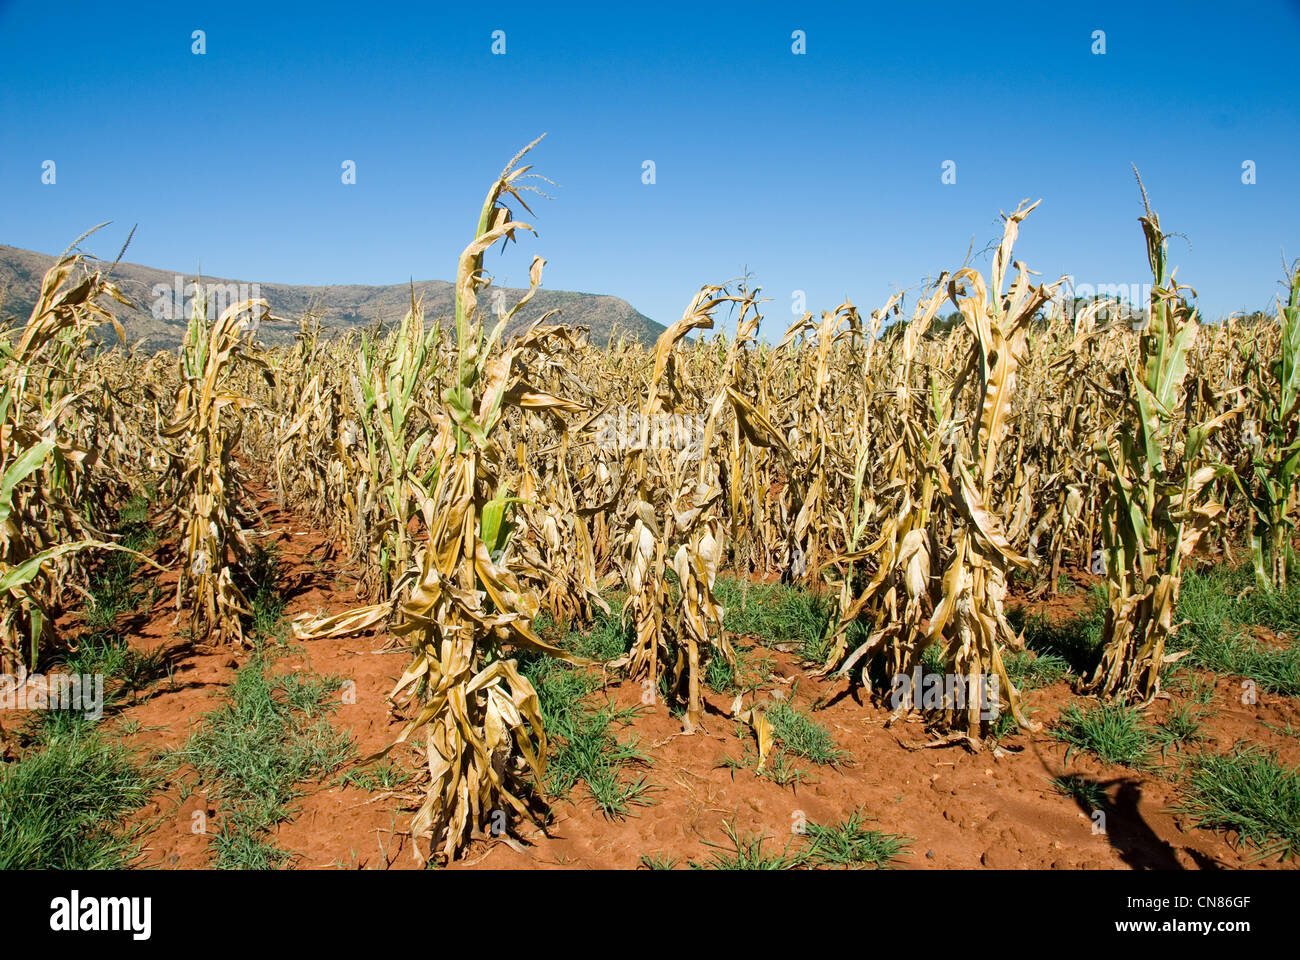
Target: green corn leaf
[[19, 471]]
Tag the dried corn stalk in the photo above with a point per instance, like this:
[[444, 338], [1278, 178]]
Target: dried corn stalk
[[970, 616], [1156, 510], [891, 607], [1271, 455], [203, 481], [675, 513], [45, 464], [464, 605]]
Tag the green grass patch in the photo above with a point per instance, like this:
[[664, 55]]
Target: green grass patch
[[1075, 641], [384, 775], [850, 844], [720, 675], [1278, 610], [777, 614], [1288, 729], [1114, 733], [747, 853], [1250, 792], [1086, 791], [778, 768], [803, 736], [590, 753], [932, 660], [133, 521], [609, 637], [1217, 606], [254, 751], [794, 734], [584, 747], [1181, 727], [1030, 670], [1189, 684], [62, 804], [658, 861], [113, 590], [126, 673], [1005, 725], [260, 576]]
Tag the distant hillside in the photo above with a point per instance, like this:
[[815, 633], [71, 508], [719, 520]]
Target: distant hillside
[[340, 307]]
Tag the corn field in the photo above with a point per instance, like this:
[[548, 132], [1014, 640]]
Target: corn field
[[912, 473]]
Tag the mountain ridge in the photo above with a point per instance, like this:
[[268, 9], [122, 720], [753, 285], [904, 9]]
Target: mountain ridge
[[342, 306]]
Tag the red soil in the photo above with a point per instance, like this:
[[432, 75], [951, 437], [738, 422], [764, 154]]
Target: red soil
[[962, 809]]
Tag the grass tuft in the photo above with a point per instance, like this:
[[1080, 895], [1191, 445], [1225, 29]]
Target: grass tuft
[[747, 853], [1250, 792], [1076, 641], [270, 736], [1181, 727], [1029, 670], [777, 614], [380, 776], [803, 736], [1114, 733], [262, 572], [658, 861], [61, 806], [1217, 606], [1086, 791], [584, 748], [852, 845]]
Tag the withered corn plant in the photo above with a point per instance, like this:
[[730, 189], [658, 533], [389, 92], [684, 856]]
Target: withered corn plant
[[1272, 445], [675, 519], [943, 515], [463, 607], [306, 431], [890, 607], [203, 483], [482, 723], [553, 545], [970, 616], [818, 427], [1156, 509], [43, 462]]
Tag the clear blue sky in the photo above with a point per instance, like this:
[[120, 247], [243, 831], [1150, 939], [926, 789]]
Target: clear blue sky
[[819, 172]]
